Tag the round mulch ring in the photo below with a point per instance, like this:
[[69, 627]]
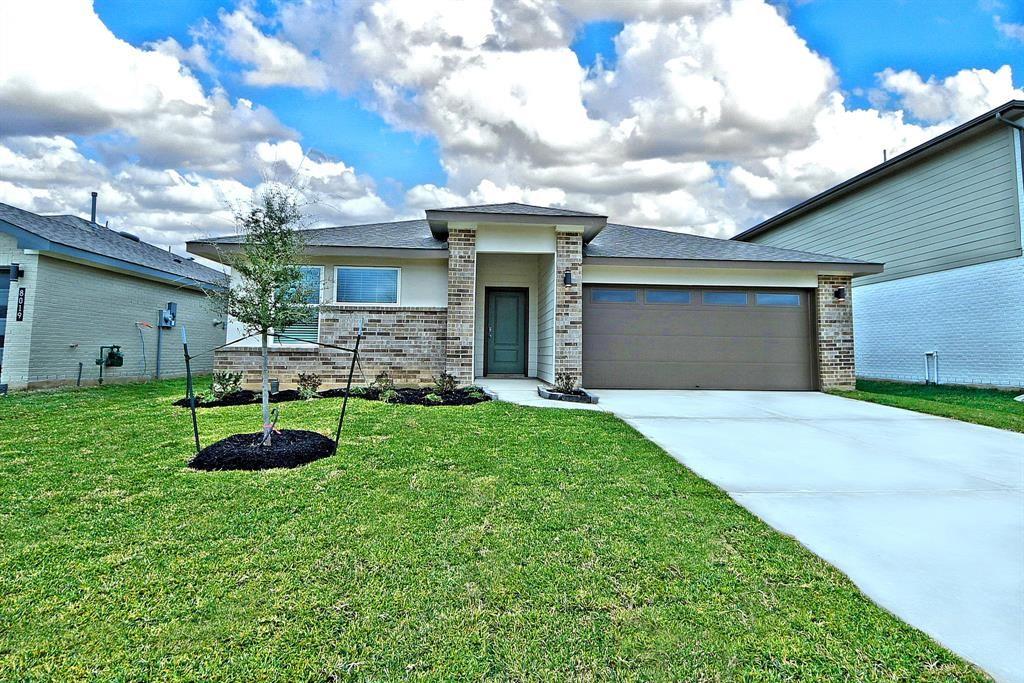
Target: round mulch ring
[[288, 448]]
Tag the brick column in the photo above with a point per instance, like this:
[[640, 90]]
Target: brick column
[[836, 368], [569, 305], [461, 304]]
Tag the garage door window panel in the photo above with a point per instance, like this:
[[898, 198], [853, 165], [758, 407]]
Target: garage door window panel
[[780, 299], [608, 295], [725, 298], [667, 296]]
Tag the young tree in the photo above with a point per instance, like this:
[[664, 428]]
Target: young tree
[[269, 292]]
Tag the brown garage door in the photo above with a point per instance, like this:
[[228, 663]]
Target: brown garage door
[[696, 338]]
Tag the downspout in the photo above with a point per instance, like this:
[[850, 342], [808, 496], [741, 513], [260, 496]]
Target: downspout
[[1012, 124], [159, 334]]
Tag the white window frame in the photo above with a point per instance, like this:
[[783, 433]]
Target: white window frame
[[319, 301], [398, 285]]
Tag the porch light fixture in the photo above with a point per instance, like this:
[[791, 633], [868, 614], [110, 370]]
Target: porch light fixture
[[840, 293], [567, 278], [16, 272]]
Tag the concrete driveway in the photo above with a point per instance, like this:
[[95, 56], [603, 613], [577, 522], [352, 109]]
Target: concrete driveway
[[924, 514]]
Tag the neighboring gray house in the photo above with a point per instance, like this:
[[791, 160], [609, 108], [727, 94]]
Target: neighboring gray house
[[531, 291], [946, 219], [69, 286]]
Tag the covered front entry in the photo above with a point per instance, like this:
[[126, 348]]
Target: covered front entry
[[505, 338], [637, 337]]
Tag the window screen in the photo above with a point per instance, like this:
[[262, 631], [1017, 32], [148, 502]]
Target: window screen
[[368, 285], [667, 296], [613, 296], [311, 280], [726, 298], [774, 299], [308, 330]]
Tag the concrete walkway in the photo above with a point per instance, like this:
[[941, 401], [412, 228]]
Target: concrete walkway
[[924, 514]]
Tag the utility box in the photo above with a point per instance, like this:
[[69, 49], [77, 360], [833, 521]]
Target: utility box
[[169, 315]]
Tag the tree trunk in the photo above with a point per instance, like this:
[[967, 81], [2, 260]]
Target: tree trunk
[[266, 389]]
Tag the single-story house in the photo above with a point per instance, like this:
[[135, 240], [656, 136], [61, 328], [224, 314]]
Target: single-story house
[[947, 219], [69, 286], [512, 290]]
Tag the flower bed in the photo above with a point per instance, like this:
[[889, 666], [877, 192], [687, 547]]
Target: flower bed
[[423, 397]]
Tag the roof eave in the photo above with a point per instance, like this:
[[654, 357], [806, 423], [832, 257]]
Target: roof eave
[[871, 173], [29, 240], [216, 251], [438, 220]]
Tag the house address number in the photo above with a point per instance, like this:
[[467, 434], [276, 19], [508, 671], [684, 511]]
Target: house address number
[[21, 304]]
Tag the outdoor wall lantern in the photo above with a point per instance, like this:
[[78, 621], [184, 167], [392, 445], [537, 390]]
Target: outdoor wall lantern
[[16, 272], [567, 278], [840, 293]]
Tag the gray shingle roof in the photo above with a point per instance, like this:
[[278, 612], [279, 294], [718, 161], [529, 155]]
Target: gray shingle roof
[[413, 234], [83, 235], [627, 241], [615, 241], [517, 208]]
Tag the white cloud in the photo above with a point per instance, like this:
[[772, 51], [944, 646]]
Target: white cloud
[[167, 156], [1008, 28], [956, 98], [273, 61], [714, 114]]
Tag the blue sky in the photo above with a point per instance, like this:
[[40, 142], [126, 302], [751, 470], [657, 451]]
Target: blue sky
[[708, 121], [932, 37]]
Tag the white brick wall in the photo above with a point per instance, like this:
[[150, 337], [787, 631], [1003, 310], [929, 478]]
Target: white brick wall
[[973, 317]]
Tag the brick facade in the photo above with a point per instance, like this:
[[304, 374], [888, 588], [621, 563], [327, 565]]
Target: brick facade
[[569, 305], [461, 303], [836, 368], [409, 343]]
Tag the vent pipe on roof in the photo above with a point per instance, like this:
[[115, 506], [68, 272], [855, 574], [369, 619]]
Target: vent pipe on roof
[[94, 195]]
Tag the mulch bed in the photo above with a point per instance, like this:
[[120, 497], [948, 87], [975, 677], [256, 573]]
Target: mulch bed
[[288, 448], [458, 397]]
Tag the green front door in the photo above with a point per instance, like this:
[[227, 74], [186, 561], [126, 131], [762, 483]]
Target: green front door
[[506, 332]]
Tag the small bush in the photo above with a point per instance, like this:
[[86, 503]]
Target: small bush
[[383, 382], [565, 383], [309, 384], [389, 396], [445, 383], [433, 398], [225, 383]]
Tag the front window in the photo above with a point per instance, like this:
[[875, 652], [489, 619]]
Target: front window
[[368, 285], [307, 330]]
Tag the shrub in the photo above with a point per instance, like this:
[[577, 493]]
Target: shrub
[[433, 398], [565, 383], [389, 396], [309, 384], [225, 383], [383, 382], [445, 383]]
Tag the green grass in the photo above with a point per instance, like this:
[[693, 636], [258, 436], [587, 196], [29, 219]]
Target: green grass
[[489, 541], [991, 407]]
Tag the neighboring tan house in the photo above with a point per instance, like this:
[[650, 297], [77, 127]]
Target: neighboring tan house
[[69, 286], [946, 218], [527, 291]]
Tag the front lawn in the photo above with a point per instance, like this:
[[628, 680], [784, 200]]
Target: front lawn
[[992, 407], [486, 541]]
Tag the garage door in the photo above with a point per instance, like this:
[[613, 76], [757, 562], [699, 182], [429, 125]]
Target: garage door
[[696, 338]]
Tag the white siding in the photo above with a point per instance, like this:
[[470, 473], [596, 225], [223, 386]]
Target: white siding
[[18, 343], [546, 317], [973, 317]]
